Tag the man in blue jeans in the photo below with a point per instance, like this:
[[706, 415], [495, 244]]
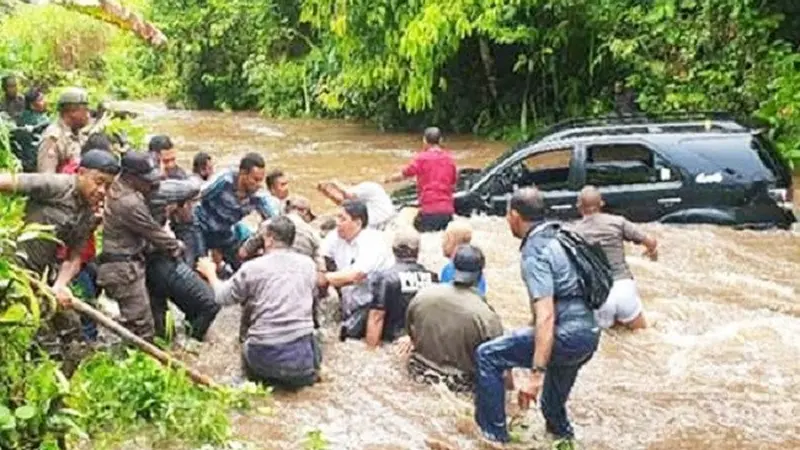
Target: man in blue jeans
[[564, 338]]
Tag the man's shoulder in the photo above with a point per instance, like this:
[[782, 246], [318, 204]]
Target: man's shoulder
[[61, 182], [54, 131]]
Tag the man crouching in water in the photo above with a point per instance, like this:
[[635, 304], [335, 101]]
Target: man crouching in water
[[623, 306], [278, 289]]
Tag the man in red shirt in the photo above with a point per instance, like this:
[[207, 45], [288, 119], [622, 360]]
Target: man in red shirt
[[435, 171]]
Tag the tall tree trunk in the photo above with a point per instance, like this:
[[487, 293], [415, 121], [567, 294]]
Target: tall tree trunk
[[488, 66]]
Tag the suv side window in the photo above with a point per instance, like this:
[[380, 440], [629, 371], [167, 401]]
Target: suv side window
[[622, 164], [548, 170]]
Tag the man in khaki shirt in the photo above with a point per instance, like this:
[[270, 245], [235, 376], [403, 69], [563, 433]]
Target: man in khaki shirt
[[129, 230], [62, 140]]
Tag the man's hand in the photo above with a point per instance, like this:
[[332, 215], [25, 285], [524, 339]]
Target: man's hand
[[206, 267], [652, 254], [530, 390], [179, 251], [403, 347], [63, 296]]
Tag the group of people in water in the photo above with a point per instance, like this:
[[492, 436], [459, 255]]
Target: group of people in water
[[169, 235]]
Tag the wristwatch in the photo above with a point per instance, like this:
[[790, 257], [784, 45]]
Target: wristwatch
[[539, 369]]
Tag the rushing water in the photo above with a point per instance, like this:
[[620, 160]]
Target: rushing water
[[719, 368]]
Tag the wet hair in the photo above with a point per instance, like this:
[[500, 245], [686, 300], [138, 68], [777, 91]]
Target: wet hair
[[273, 176], [31, 96], [159, 143], [97, 141], [357, 210], [8, 79], [251, 161], [433, 135], [282, 229], [200, 161], [528, 203]]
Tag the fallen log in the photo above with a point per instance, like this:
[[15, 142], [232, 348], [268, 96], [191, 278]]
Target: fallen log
[[164, 357]]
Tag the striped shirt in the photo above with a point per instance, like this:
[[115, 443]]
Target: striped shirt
[[220, 207]]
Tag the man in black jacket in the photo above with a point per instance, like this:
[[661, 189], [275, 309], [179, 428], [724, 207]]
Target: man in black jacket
[[393, 290]]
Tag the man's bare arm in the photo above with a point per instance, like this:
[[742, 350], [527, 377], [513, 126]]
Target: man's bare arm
[[344, 277], [545, 326], [375, 327]]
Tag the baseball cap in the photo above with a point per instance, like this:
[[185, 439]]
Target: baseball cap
[[406, 238], [300, 202], [101, 160], [141, 166], [469, 263], [73, 96]]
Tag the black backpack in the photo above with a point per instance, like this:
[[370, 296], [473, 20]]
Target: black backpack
[[594, 271]]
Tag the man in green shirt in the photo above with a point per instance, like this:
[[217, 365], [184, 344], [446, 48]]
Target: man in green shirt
[[35, 113]]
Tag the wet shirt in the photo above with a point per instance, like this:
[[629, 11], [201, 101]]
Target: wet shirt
[[171, 192], [220, 207], [13, 106], [367, 253], [436, 175], [59, 146], [380, 209], [54, 200], [307, 239], [89, 250], [548, 272], [32, 118], [446, 323], [277, 289], [392, 291], [129, 227], [449, 272], [610, 232]]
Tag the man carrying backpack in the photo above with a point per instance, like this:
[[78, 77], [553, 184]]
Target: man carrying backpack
[[565, 334]]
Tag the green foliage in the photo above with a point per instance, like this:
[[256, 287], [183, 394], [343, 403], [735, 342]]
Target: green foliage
[[116, 397], [315, 440], [50, 46], [135, 133]]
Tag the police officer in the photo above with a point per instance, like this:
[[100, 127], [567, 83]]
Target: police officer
[[393, 290], [129, 231], [564, 338], [62, 140], [68, 203]]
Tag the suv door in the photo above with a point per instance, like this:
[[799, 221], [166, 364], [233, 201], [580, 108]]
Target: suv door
[[551, 168], [636, 181]]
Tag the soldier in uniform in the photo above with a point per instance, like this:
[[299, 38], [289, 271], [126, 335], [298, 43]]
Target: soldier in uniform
[[62, 140], [129, 232], [68, 203]]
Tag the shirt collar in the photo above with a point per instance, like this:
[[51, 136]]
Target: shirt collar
[[535, 228]]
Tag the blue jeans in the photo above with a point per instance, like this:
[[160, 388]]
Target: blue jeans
[[228, 242], [85, 281], [571, 350]]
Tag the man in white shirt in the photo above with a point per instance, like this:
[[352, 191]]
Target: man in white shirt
[[373, 195], [354, 253]]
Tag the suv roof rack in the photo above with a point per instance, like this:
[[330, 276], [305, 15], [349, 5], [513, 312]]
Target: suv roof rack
[[643, 119]]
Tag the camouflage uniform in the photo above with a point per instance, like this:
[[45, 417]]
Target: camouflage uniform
[[60, 144], [129, 231]]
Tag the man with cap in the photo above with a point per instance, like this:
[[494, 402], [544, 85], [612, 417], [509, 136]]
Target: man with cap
[[393, 289], [129, 231], [447, 322], [68, 203], [62, 140]]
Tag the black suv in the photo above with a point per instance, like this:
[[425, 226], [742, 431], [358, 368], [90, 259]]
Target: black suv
[[677, 168]]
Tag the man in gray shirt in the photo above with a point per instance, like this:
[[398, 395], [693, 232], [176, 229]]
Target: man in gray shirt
[[277, 288], [610, 231]]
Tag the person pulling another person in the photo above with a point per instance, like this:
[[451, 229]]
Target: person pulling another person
[[280, 347], [379, 205], [623, 306], [436, 175]]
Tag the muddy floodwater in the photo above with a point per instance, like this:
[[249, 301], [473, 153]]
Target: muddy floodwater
[[719, 368]]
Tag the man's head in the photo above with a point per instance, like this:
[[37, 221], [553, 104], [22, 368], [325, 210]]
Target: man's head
[[432, 136], [10, 87], [280, 233], [278, 184], [202, 165], [34, 100], [352, 219], [406, 244], [469, 263], [97, 141], [301, 206], [73, 107], [525, 208], [458, 232], [96, 172], [163, 152], [139, 170], [589, 200], [252, 173]]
